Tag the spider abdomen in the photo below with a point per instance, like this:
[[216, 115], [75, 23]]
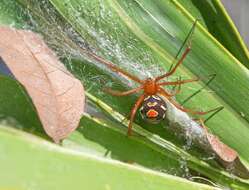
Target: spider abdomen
[[153, 109]]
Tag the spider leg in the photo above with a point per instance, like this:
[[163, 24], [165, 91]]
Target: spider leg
[[176, 91], [165, 94], [178, 64], [117, 93], [212, 77], [178, 82], [189, 37], [202, 122], [133, 112], [114, 67], [199, 120], [217, 110], [192, 111], [175, 67], [202, 125]]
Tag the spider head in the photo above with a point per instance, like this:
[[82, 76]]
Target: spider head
[[150, 86], [153, 109]]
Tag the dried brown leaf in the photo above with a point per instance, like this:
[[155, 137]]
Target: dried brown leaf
[[227, 156], [58, 96]]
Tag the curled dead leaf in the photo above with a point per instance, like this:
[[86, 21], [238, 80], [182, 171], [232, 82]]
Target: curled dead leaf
[[227, 156], [57, 96], [223, 152]]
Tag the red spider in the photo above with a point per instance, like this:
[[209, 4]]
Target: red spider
[[153, 107]]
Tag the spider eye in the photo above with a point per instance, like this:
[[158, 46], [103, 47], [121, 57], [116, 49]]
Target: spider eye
[[153, 109]]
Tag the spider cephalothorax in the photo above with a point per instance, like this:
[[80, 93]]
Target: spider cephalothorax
[[153, 109]]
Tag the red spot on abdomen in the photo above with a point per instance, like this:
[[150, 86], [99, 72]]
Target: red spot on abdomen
[[152, 113]]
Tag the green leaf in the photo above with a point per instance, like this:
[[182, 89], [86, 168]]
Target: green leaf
[[136, 25], [166, 148], [30, 162], [143, 37], [15, 103], [220, 25], [12, 14], [22, 107]]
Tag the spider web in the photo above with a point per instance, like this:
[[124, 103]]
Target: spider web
[[69, 44], [129, 55]]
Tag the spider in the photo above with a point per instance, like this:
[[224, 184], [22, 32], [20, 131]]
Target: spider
[[152, 107]]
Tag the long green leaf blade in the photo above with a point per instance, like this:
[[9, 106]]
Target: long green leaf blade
[[28, 162], [220, 25]]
